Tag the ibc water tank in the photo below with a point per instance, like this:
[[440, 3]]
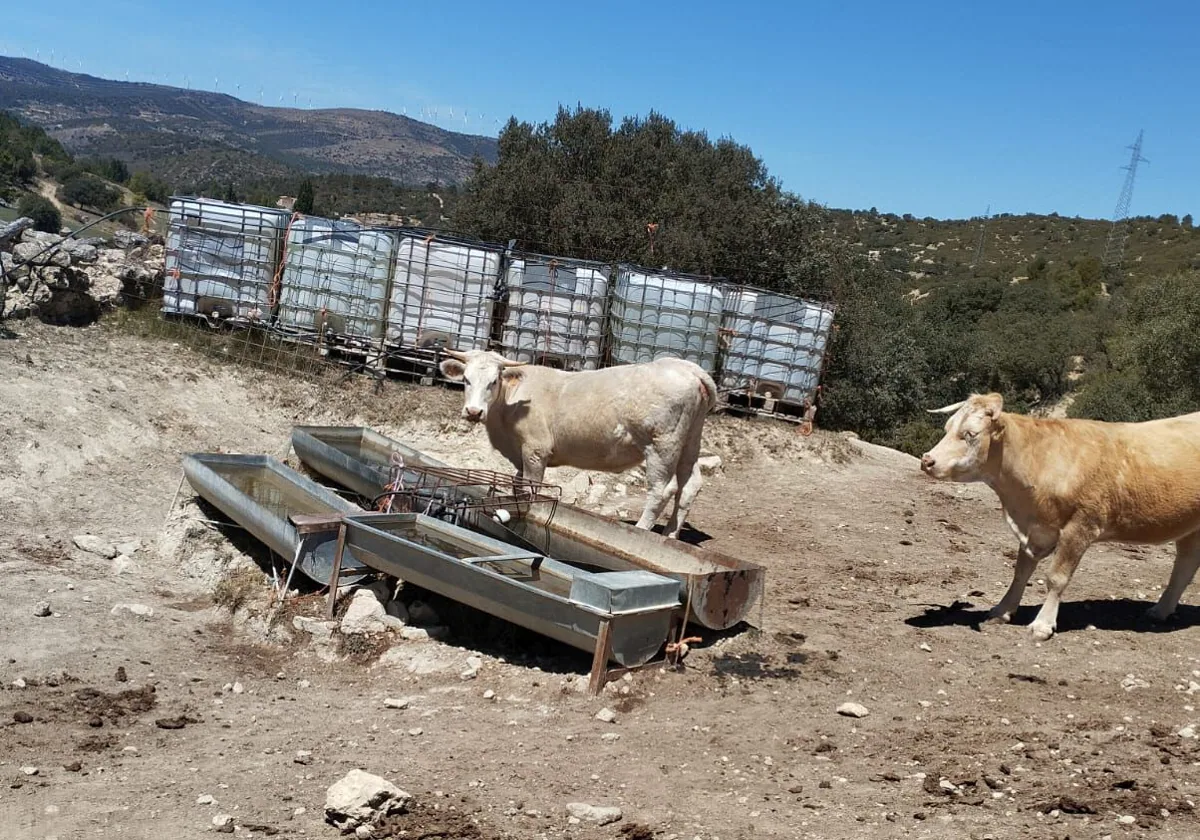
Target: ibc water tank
[[221, 255], [339, 272], [443, 286], [656, 315], [556, 311]]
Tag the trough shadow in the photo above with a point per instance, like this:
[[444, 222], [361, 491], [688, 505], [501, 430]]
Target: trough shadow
[[248, 544], [1119, 614]]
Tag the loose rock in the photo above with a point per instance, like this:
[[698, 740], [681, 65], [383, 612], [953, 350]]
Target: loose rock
[[223, 823], [22, 717], [206, 799], [395, 703], [139, 610], [41, 609], [601, 815], [606, 716], [29, 771], [95, 545], [321, 631], [361, 798], [366, 616], [854, 710]]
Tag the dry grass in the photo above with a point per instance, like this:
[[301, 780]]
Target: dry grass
[[237, 589]]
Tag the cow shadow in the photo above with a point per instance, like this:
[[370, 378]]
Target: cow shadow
[[687, 534], [1119, 614]]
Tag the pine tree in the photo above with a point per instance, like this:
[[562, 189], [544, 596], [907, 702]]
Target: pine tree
[[304, 197]]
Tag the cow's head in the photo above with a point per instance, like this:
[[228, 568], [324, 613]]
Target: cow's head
[[484, 374], [962, 453]]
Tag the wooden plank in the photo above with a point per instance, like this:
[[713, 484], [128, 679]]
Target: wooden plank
[[313, 523], [600, 660], [337, 570]]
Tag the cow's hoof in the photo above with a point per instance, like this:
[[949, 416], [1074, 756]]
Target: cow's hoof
[[1041, 632], [998, 616], [1156, 615]]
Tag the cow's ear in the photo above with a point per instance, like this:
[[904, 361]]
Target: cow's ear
[[512, 376], [993, 405], [453, 369]]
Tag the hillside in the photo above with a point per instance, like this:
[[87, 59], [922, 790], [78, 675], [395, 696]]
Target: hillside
[[189, 136], [927, 253]]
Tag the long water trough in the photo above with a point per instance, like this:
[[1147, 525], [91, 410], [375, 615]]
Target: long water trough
[[721, 590], [525, 588], [282, 508], [261, 495]]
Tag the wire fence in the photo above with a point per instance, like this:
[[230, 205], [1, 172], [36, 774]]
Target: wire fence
[[292, 293]]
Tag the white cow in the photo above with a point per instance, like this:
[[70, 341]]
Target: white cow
[[610, 420]]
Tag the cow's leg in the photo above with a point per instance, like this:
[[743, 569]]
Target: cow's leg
[[1072, 543], [1023, 570], [661, 484], [1187, 561], [689, 480], [1029, 553]]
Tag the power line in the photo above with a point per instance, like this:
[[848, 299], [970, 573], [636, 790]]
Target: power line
[[1114, 248], [987, 214]]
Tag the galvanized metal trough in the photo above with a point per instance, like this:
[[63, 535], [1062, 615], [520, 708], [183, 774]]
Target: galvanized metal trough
[[261, 494], [722, 590], [525, 588], [622, 616]]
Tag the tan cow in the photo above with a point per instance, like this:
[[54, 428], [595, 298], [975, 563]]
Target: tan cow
[[1065, 484], [610, 420]]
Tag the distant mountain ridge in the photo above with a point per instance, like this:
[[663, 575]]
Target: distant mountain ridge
[[195, 135]]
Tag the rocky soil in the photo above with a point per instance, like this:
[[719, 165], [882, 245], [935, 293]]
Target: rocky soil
[[151, 685]]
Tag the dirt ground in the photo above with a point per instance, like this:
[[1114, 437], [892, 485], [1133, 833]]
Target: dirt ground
[[149, 726]]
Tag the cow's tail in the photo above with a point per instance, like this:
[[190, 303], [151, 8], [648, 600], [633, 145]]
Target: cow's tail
[[708, 389]]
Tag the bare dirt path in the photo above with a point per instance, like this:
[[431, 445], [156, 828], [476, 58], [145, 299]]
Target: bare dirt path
[[876, 577]]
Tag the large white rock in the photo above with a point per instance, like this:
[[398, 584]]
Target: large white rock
[[366, 616], [361, 798], [599, 814], [95, 545]]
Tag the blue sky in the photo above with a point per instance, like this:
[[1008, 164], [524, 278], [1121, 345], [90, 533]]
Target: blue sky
[[931, 108]]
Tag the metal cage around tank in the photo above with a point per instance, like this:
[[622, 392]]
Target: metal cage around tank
[[443, 294], [773, 347], [222, 259], [659, 313], [336, 283], [554, 311]]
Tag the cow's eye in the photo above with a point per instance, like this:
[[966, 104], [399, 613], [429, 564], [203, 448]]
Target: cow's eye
[[970, 435]]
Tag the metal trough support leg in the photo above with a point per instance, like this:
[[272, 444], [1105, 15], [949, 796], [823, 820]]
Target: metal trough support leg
[[600, 659], [337, 570]]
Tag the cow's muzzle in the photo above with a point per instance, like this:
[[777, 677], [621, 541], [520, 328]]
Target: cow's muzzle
[[474, 415]]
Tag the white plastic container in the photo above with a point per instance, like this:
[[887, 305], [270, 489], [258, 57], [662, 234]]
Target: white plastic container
[[656, 315], [556, 312], [442, 288], [223, 255], [776, 344], [337, 274]]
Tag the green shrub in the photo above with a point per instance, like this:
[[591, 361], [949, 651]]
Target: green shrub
[[43, 212], [86, 190]]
